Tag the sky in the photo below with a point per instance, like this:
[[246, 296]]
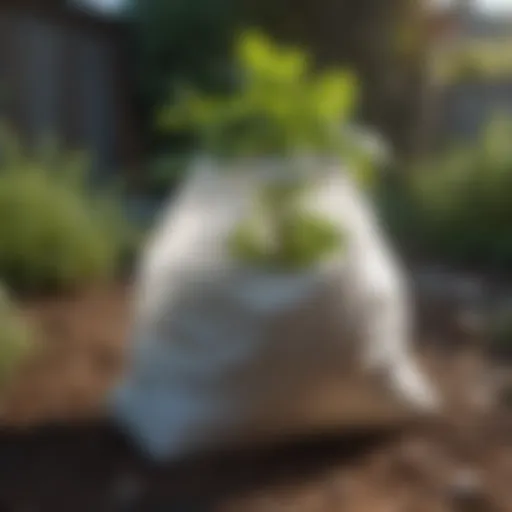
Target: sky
[[495, 4], [107, 5], [490, 6]]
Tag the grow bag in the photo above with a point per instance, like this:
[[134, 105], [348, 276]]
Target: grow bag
[[224, 352]]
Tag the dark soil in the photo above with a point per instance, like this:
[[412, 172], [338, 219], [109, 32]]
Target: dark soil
[[57, 453]]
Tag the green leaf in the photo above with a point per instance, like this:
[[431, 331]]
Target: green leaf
[[255, 53], [335, 96]]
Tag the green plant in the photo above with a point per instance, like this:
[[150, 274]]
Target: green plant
[[282, 235], [457, 206], [56, 230], [15, 337], [281, 107]]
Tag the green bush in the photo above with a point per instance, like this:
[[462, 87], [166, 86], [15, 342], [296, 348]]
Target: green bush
[[457, 207], [282, 107], [15, 337], [56, 231]]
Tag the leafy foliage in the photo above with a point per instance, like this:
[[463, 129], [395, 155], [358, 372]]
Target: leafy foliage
[[55, 231], [457, 206], [15, 337], [282, 235], [280, 107]]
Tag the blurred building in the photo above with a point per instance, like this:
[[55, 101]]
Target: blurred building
[[466, 104], [64, 72]]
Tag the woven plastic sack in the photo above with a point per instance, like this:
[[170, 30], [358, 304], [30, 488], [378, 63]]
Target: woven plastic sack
[[223, 353]]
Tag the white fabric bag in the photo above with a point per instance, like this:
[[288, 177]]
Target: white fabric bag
[[222, 354]]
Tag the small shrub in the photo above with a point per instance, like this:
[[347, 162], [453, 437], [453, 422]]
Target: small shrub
[[15, 339], [279, 107], [56, 232], [282, 107], [457, 206]]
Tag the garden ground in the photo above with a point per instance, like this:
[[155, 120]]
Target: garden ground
[[57, 454]]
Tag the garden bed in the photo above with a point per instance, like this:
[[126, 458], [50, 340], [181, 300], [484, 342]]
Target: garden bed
[[58, 454]]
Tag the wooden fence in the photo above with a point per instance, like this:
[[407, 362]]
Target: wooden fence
[[64, 74]]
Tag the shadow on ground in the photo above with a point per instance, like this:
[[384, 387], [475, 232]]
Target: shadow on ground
[[93, 468]]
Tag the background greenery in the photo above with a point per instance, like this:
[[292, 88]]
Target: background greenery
[[456, 206], [15, 337], [57, 230]]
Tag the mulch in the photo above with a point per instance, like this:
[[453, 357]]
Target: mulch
[[58, 452]]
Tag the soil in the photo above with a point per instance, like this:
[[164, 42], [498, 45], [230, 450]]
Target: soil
[[58, 453]]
